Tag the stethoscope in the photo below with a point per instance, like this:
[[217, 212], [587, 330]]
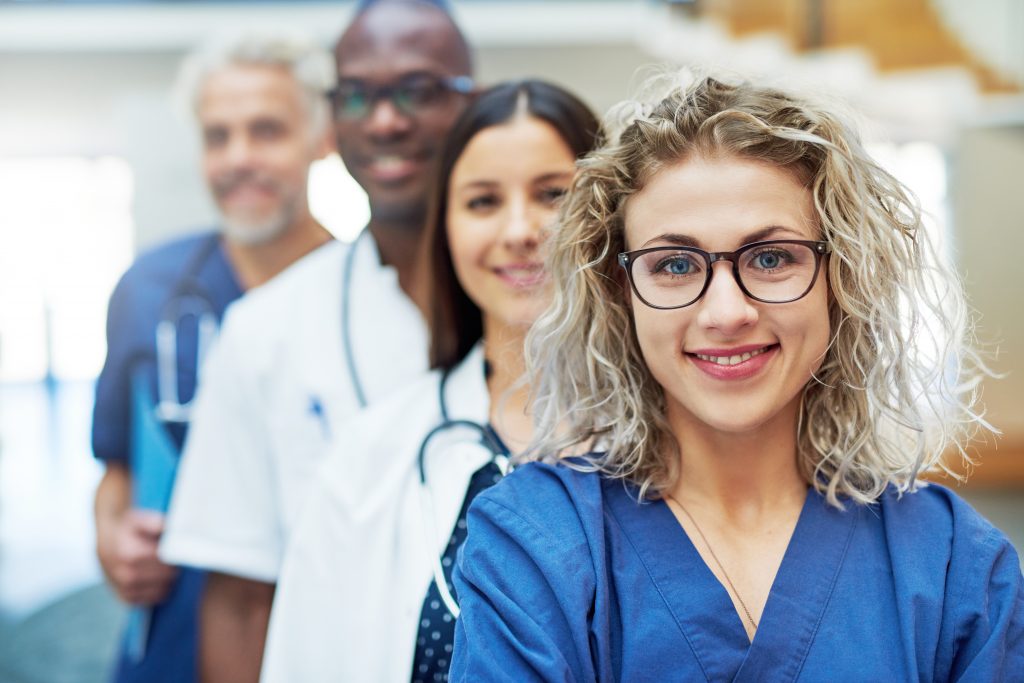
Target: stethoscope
[[499, 456], [346, 322], [189, 299]]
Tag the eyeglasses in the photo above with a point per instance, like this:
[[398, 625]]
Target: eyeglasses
[[412, 95], [773, 272]]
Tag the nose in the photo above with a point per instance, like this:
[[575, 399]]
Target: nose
[[385, 120], [724, 306], [240, 151], [521, 230]]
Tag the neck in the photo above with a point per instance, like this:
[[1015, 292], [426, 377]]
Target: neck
[[743, 478], [509, 396], [398, 243], [254, 264]]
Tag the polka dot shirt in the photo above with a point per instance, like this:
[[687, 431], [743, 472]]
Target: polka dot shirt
[[437, 625]]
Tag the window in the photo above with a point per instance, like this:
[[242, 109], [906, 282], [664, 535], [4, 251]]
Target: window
[[66, 236]]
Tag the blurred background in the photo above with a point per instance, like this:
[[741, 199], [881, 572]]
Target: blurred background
[[97, 162]]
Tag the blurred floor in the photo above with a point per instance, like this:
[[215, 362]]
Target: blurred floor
[[72, 640], [58, 623]]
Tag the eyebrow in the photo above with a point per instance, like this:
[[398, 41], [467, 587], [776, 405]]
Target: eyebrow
[[546, 178], [688, 241], [554, 175]]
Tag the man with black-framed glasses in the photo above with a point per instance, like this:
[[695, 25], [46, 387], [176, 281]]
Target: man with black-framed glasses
[[337, 331]]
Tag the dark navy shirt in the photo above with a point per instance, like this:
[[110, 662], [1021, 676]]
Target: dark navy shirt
[[137, 304]]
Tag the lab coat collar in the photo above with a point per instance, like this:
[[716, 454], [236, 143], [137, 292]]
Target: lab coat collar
[[367, 255], [465, 393]]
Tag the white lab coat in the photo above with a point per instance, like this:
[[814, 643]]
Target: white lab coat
[[359, 563], [275, 393]]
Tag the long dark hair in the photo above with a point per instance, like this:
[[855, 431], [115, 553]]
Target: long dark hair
[[454, 321]]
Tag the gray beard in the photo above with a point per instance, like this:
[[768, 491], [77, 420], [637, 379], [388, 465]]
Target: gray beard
[[250, 233]]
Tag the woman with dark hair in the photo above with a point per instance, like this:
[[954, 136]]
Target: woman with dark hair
[[365, 591], [754, 338]]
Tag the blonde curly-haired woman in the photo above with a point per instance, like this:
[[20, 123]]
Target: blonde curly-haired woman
[[751, 335]]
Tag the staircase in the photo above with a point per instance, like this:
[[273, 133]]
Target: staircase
[[898, 35]]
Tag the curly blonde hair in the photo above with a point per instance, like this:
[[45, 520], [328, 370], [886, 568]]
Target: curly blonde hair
[[900, 379]]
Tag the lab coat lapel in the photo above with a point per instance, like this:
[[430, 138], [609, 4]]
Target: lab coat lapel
[[387, 332], [466, 393], [801, 592], [699, 605], [453, 455]]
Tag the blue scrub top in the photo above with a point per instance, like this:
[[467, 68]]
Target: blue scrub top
[[136, 306], [564, 576]]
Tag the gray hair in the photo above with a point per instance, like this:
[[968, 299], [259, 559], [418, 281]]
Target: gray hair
[[309, 63]]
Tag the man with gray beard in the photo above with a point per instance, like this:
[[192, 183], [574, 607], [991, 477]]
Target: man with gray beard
[[261, 108]]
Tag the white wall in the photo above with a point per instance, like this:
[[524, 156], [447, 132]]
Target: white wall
[[90, 104], [95, 104]]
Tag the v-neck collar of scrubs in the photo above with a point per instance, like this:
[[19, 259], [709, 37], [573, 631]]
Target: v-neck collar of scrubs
[[701, 607], [223, 280]]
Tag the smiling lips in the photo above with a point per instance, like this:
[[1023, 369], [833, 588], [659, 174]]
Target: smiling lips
[[521, 275], [738, 363], [392, 167]]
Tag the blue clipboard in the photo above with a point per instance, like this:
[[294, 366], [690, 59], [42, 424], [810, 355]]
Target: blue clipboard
[[154, 454], [154, 460]]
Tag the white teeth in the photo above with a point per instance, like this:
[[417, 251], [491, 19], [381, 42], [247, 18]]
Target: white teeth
[[388, 161], [731, 360]]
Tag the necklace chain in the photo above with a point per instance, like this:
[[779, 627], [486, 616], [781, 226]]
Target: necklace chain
[[721, 567]]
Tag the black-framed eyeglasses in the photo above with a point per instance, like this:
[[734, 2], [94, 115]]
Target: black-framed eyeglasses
[[773, 272], [412, 95]]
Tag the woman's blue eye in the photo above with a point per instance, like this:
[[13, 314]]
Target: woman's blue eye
[[679, 267], [675, 266], [770, 260]]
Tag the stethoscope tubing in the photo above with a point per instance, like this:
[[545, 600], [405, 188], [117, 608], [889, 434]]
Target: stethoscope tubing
[[169, 408], [189, 298], [499, 456], [346, 320]]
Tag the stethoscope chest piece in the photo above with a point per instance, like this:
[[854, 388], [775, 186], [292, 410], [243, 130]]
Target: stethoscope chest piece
[[169, 407], [189, 301]]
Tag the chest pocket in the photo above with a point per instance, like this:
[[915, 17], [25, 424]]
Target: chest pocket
[[305, 422]]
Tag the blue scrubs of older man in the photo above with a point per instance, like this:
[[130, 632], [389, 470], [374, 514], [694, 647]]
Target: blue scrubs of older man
[[194, 267]]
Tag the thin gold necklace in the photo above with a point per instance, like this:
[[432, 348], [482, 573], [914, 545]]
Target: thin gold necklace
[[715, 558]]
